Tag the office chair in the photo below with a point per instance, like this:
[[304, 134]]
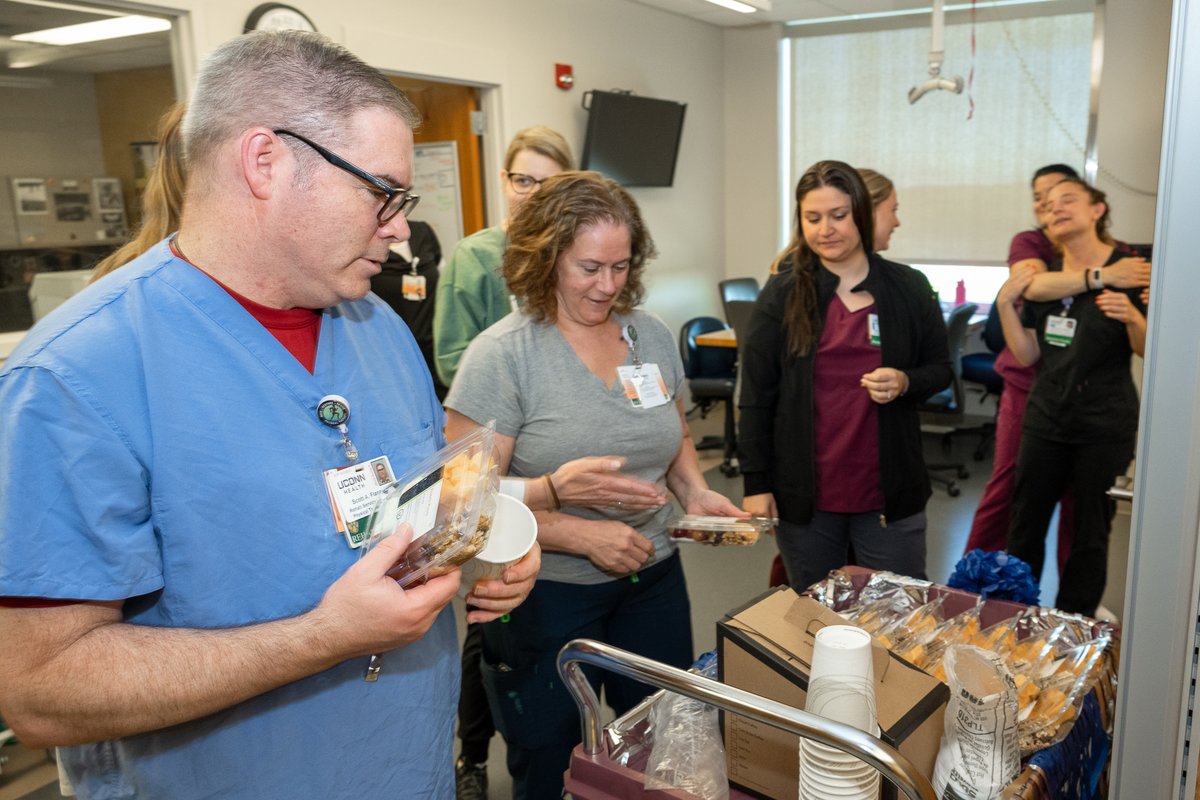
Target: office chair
[[980, 369], [946, 408], [712, 378], [737, 314], [736, 290]]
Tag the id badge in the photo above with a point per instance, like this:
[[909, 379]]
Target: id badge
[[644, 385], [873, 329], [413, 287], [1060, 331], [353, 491]]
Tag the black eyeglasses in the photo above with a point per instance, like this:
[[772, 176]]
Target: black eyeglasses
[[397, 201], [524, 184]]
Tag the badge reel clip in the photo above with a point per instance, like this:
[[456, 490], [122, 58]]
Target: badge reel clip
[[334, 411]]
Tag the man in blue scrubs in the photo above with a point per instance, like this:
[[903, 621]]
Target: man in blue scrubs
[[179, 613]]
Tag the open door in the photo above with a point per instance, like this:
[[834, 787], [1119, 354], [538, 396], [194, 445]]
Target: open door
[[447, 110]]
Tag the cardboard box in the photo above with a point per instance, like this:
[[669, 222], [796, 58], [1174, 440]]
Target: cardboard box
[[766, 647]]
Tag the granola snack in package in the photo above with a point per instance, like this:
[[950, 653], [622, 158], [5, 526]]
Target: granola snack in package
[[718, 531], [449, 499]]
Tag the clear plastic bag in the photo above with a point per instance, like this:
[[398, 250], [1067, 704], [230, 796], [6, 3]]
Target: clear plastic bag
[[450, 501], [687, 753]]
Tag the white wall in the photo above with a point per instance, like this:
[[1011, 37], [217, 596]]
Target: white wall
[[752, 169], [1132, 88], [513, 46]]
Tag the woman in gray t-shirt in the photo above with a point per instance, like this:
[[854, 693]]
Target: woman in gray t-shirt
[[581, 372]]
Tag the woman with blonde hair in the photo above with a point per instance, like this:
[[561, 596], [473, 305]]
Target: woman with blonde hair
[[471, 294], [162, 198]]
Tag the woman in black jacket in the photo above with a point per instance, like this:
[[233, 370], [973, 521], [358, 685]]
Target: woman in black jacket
[[842, 347]]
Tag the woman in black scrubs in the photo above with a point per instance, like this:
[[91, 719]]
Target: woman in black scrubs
[[1081, 421]]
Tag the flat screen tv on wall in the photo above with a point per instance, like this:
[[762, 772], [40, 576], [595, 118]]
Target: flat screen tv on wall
[[633, 140]]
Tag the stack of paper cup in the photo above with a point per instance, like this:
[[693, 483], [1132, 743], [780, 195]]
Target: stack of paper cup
[[514, 530], [841, 687]]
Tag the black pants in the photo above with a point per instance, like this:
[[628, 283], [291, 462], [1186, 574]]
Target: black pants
[[475, 726], [531, 706], [1045, 471]]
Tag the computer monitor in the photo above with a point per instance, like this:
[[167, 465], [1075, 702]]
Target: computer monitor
[[633, 140], [49, 290]]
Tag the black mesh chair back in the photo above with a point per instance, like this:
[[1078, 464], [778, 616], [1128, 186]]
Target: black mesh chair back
[[737, 290], [738, 314]]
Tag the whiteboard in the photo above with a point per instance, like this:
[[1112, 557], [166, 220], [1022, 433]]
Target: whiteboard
[[436, 179]]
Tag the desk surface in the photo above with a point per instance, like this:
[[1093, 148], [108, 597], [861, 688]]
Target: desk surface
[[725, 338]]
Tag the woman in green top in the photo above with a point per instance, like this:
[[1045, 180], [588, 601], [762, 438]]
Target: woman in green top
[[472, 296], [471, 293]]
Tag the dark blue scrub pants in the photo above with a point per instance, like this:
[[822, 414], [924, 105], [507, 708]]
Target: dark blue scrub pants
[[810, 551], [532, 709]]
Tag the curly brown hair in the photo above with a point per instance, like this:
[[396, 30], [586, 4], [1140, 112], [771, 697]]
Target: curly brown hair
[[548, 223]]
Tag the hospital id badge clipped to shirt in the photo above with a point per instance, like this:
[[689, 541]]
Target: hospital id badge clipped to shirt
[[413, 287], [1060, 331], [644, 385], [873, 329], [353, 491]]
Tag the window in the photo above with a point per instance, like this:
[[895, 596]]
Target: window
[[963, 185]]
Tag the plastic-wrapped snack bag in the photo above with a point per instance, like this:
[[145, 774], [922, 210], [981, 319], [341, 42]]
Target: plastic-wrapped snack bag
[[836, 591], [718, 531], [449, 499], [1053, 664], [688, 752], [979, 754]]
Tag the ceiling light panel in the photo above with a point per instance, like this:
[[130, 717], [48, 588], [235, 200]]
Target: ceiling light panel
[[115, 28]]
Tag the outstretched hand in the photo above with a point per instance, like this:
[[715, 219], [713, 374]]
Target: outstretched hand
[[597, 482]]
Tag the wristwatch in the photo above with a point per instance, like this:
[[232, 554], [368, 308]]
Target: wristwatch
[[1097, 280]]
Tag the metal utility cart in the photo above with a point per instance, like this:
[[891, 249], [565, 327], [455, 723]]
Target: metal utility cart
[[594, 776]]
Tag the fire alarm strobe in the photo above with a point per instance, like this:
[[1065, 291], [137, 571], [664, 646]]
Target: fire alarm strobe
[[564, 77]]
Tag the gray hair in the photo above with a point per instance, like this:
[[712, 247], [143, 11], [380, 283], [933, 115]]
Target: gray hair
[[287, 79]]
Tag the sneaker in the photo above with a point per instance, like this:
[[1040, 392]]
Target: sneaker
[[470, 780]]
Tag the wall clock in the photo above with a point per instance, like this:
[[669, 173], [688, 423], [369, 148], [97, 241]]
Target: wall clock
[[278, 17]]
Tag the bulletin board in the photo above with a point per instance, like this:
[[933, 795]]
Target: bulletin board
[[436, 179]]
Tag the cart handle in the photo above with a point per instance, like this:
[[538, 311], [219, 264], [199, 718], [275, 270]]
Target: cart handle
[[879, 754]]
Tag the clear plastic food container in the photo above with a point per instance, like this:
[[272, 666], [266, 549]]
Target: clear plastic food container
[[449, 499], [718, 531]]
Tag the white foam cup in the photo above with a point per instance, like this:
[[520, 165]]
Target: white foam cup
[[842, 651], [513, 532], [848, 700]]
